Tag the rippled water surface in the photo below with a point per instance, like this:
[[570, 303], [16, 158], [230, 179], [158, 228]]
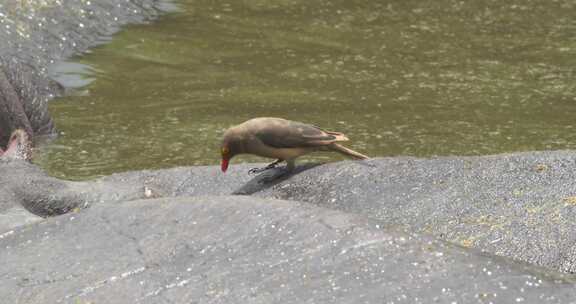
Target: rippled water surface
[[399, 77]]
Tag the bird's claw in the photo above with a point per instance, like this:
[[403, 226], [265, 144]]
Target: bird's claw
[[260, 170], [256, 170]]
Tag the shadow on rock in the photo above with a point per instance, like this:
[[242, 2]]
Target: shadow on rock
[[271, 178]]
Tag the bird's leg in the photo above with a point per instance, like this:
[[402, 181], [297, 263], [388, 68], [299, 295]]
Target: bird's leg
[[270, 166], [290, 165]]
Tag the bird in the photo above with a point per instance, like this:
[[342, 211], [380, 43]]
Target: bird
[[282, 139]]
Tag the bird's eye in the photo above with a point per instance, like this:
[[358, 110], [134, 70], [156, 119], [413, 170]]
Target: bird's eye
[[225, 150]]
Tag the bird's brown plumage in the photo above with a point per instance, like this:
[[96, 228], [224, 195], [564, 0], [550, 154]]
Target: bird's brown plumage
[[281, 139]]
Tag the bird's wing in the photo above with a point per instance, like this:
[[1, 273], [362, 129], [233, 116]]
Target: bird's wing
[[296, 135]]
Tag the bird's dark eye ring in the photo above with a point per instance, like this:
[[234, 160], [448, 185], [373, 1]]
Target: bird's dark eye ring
[[225, 150]]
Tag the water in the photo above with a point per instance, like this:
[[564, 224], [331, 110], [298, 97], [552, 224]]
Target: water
[[420, 78]]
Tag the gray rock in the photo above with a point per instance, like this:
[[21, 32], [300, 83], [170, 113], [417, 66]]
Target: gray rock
[[235, 249]]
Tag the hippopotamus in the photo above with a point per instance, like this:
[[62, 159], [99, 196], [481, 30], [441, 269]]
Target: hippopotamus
[[24, 100], [36, 35], [25, 184], [19, 147]]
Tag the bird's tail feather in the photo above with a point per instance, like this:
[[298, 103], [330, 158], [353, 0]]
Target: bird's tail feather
[[348, 152]]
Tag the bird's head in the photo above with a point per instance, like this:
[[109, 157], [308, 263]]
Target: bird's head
[[231, 146]]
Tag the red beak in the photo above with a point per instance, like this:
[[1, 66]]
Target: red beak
[[224, 165]]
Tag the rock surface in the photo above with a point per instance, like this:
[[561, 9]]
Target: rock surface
[[238, 249]]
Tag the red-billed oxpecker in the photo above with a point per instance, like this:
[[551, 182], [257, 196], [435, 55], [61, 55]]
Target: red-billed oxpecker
[[282, 139]]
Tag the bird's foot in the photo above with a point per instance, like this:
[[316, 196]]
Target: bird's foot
[[256, 170], [260, 170]]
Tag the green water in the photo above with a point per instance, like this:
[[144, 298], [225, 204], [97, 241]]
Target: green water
[[399, 77]]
